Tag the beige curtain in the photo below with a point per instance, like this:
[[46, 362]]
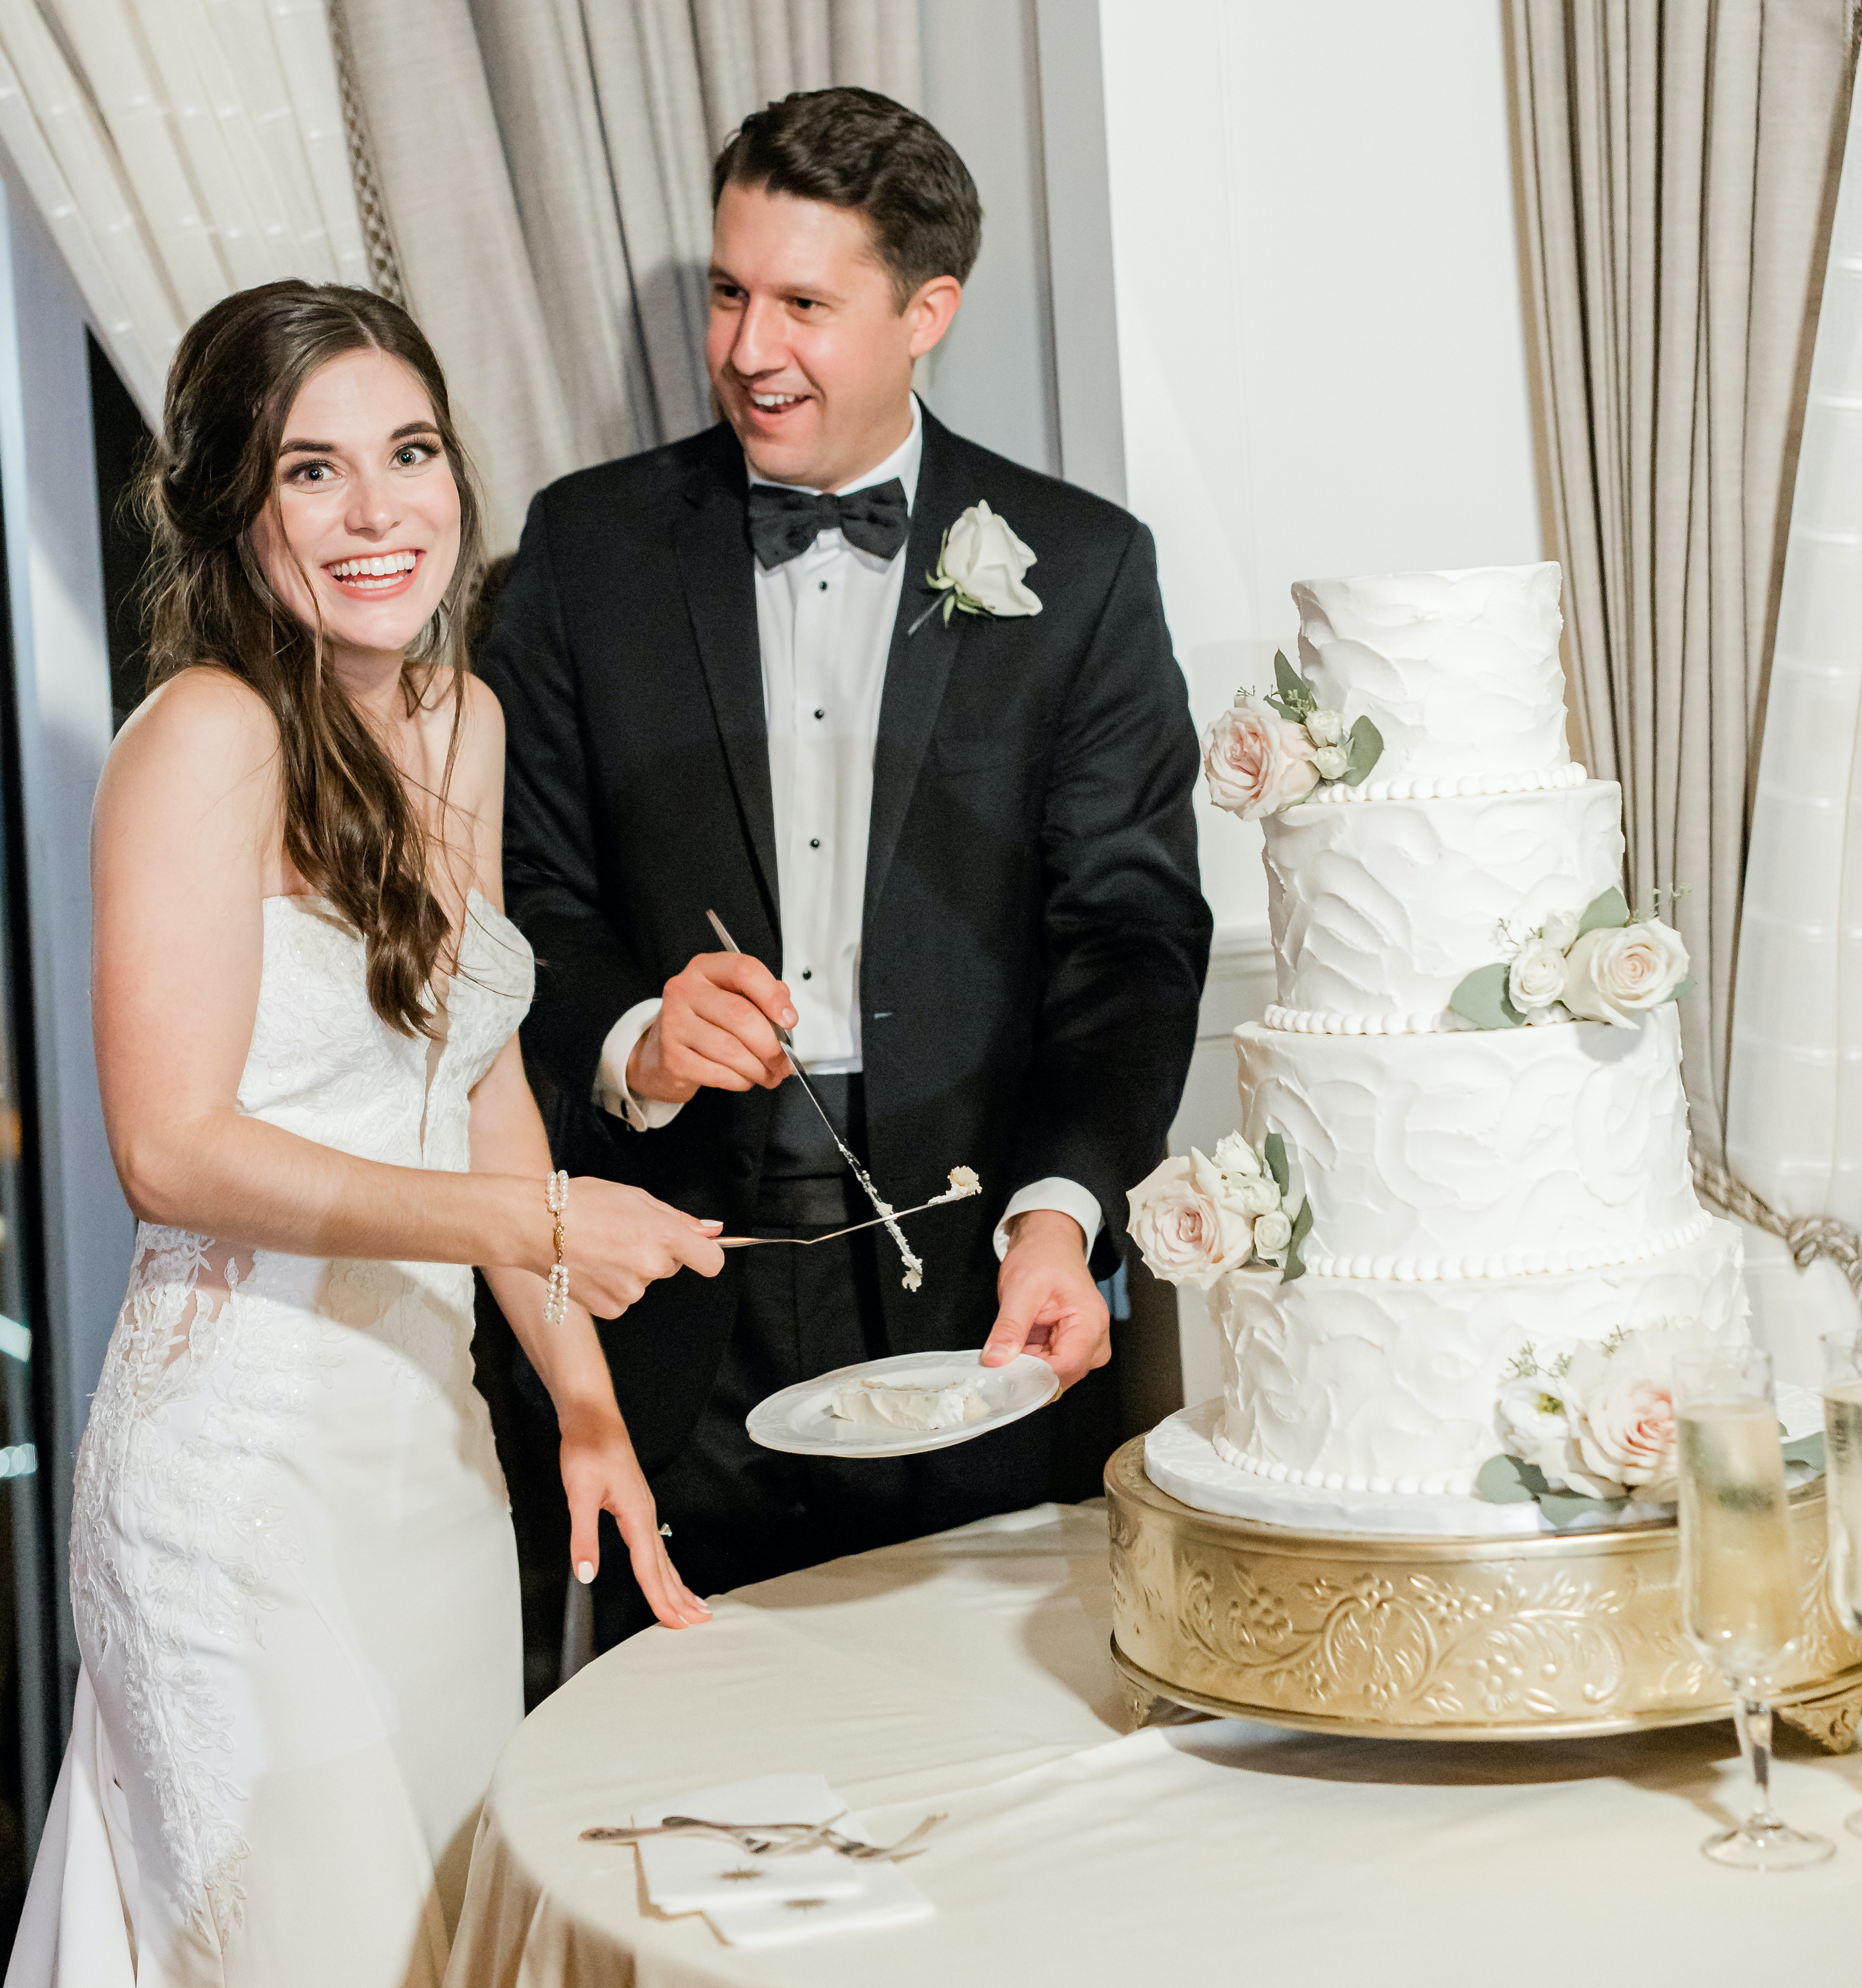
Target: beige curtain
[[544, 168], [1678, 166], [178, 150]]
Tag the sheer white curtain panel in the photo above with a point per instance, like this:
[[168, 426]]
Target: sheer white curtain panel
[[1794, 1130], [545, 165], [179, 150], [1676, 166]]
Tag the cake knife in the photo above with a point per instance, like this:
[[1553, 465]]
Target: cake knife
[[808, 1091]]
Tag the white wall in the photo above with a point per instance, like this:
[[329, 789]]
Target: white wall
[[1322, 355]]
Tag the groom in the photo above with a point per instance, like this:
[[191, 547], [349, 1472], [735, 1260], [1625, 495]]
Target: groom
[[905, 716]]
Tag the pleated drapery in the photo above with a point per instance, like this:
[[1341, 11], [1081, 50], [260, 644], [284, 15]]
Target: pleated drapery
[[545, 168], [179, 150], [1794, 1130], [1678, 166]]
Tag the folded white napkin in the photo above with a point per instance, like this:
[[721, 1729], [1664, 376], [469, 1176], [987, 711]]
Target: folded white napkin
[[771, 1901], [692, 1874], [887, 1898]]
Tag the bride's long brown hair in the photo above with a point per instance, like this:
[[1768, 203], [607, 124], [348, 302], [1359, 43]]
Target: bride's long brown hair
[[349, 826]]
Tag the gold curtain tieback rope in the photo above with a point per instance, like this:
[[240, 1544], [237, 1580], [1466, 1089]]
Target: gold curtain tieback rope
[[1807, 1237]]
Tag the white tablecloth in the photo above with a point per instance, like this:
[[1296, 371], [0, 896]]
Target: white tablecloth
[[968, 1673]]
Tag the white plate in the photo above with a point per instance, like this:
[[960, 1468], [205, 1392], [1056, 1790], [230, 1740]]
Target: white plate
[[796, 1419]]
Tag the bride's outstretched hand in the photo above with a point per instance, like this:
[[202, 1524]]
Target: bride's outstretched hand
[[619, 1240], [601, 1473]]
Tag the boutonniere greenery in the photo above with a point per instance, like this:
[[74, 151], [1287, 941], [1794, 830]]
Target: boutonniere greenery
[[980, 562], [1605, 964]]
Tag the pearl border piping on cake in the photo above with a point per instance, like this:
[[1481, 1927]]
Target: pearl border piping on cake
[[1514, 1264], [1447, 1484], [1322, 1021], [1337, 793]]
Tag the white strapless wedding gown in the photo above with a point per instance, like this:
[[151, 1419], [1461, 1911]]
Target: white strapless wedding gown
[[292, 1562]]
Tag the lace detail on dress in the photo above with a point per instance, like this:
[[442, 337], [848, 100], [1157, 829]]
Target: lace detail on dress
[[179, 1512]]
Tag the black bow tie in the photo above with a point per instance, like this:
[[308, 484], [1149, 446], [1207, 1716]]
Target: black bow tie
[[784, 522]]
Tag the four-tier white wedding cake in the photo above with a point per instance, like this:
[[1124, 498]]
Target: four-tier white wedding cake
[[1468, 1086]]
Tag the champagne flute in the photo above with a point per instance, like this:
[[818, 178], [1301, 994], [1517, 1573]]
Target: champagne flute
[[1842, 1482], [1739, 1598]]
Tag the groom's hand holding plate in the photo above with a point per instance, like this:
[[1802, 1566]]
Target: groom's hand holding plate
[[1048, 1304]]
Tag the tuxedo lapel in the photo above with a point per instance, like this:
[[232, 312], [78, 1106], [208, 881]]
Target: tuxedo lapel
[[715, 565], [918, 664]]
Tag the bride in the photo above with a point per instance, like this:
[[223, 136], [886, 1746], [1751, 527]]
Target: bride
[[292, 1562]]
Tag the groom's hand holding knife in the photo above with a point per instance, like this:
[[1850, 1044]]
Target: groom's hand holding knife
[[715, 1030]]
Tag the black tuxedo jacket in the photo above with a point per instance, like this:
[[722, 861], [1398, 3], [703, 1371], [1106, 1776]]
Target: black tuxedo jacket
[[1034, 939]]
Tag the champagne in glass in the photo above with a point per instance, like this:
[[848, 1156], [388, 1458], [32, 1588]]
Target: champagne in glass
[[1842, 1482], [1738, 1600], [1736, 1569]]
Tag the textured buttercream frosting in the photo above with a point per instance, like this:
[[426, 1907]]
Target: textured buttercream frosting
[[1353, 1385], [1459, 671], [1472, 1192], [1378, 914], [1484, 1153]]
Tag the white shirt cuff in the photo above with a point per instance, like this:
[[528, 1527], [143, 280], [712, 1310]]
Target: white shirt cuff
[[645, 1114], [1068, 1197]]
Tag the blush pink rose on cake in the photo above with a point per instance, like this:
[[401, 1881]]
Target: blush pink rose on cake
[[1190, 1222], [1256, 761], [1621, 1405]]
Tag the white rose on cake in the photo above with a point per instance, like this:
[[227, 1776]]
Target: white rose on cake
[[1187, 1223], [1255, 761], [1273, 1232], [1325, 727], [1560, 929], [1256, 1195], [1331, 762], [1535, 1428], [1619, 973], [1235, 1158], [1537, 977]]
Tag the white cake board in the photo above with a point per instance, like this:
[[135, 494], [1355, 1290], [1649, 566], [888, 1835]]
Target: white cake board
[[1180, 1458]]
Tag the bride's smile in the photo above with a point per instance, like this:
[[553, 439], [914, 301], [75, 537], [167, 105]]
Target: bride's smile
[[363, 533]]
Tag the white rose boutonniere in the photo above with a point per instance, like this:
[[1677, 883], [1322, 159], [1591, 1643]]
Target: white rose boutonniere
[[980, 569]]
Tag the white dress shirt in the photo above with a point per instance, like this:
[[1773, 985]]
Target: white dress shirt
[[825, 627]]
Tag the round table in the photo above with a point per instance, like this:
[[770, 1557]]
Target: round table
[[968, 1673]]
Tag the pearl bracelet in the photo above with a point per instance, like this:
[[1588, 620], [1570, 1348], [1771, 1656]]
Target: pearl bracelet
[[556, 1306]]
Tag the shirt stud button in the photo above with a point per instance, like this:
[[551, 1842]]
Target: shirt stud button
[[815, 842], [821, 713], [823, 585], [807, 973]]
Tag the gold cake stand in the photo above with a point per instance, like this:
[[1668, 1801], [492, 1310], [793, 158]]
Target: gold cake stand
[[1547, 1636]]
